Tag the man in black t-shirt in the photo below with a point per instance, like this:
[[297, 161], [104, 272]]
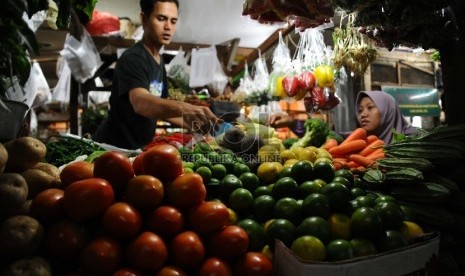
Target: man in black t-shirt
[[140, 87]]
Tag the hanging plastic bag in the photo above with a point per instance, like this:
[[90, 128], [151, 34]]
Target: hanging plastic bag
[[203, 66], [178, 70], [37, 89], [281, 63], [220, 79], [61, 92], [82, 56]]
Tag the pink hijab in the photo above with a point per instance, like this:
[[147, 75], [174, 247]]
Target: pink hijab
[[391, 117]]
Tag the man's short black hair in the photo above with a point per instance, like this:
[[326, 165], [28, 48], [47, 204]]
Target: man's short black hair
[[146, 6]]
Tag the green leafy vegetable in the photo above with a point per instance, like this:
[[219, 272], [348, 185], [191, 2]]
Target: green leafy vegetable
[[316, 131]]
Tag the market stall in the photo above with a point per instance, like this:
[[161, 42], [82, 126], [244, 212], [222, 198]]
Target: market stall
[[245, 199]]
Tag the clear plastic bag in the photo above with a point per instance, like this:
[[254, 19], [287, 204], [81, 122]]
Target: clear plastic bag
[[178, 70], [37, 89], [61, 92], [203, 66], [82, 56]]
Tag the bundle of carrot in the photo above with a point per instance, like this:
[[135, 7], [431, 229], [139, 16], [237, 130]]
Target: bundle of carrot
[[358, 151]]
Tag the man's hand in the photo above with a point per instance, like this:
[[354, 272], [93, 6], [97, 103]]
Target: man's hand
[[278, 120]]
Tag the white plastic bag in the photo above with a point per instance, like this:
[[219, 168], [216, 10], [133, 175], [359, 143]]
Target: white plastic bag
[[61, 92], [82, 56], [37, 89], [203, 66], [220, 79]]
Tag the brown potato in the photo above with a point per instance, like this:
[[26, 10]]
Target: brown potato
[[24, 153], [3, 157], [49, 168], [13, 193], [34, 265], [38, 180], [20, 236]]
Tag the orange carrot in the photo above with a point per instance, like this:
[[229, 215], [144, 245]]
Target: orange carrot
[[357, 134], [348, 148], [353, 164], [371, 147], [377, 152], [331, 142], [371, 138], [362, 160], [340, 163], [377, 156]]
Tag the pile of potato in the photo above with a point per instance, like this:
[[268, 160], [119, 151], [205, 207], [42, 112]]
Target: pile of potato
[[23, 174]]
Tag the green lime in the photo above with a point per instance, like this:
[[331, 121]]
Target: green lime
[[356, 192], [262, 190], [188, 164], [228, 184], [338, 195], [309, 187], [390, 240], [219, 171], [346, 173], [213, 157], [285, 187], [202, 162], [323, 170], [365, 201], [205, 173], [240, 168], [314, 226], [241, 201], [342, 180], [363, 247], [302, 171], [316, 204], [309, 248], [263, 207], [256, 234], [286, 172], [384, 198], [391, 214], [281, 229], [366, 222], [288, 208], [339, 250], [188, 170], [228, 161], [250, 181]]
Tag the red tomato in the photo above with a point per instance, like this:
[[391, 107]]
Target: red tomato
[[186, 190], [215, 266], [47, 205], [127, 272], [121, 221], [229, 243], [147, 252], [208, 216], [65, 239], [187, 250], [253, 264], [138, 164], [116, 168], [87, 199], [171, 271], [306, 80], [165, 220], [101, 256], [75, 171], [164, 162], [145, 192]]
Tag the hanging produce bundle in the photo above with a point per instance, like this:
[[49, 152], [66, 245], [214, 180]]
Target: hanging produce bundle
[[305, 13], [424, 23], [311, 77], [352, 49]]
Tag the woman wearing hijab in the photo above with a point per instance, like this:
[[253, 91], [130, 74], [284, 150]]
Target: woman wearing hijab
[[379, 114]]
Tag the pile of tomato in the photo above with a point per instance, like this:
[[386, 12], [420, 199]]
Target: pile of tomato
[[121, 217]]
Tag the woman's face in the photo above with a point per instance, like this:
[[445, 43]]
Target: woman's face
[[368, 115], [160, 25]]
